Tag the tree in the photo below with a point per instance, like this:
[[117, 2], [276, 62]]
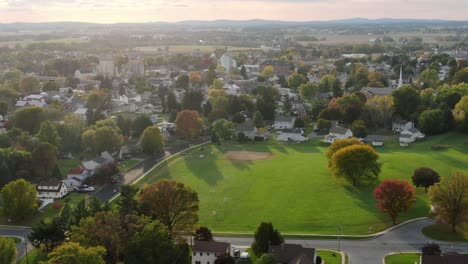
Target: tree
[[323, 125], [74, 253], [44, 159], [339, 144], [203, 233], [264, 236], [8, 249], [432, 121], [296, 80], [243, 73], [425, 177], [460, 113], [268, 71], [3, 108], [238, 118], [431, 249], [28, 119], [356, 163], [5, 175], [188, 124], [379, 111], [299, 123], [223, 129], [211, 75], [429, 78], [195, 77], [449, 199], [267, 259], [127, 202], [29, 84], [95, 100], [359, 129], [102, 138], [48, 134], [49, 235], [154, 244], [376, 79], [326, 83], [406, 101], [258, 119], [140, 124], [172, 203], [308, 91], [19, 199], [183, 82], [225, 259], [394, 197], [460, 76], [192, 100], [151, 140]]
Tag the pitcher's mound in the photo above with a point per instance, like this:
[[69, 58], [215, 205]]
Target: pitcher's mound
[[247, 155]]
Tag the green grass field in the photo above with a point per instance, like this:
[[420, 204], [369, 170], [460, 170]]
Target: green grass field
[[330, 257], [34, 256], [444, 233], [295, 190], [126, 165], [402, 258]]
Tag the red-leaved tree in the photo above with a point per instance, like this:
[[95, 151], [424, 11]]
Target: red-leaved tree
[[394, 197]]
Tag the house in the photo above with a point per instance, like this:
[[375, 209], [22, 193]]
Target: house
[[374, 140], [337, 132], [206, 252], [449, 257], [91, 165], [410, 135], [296, 135], [293, 254], [52, 189], [370, 92], [108, 157], [81, 113], [76, 176], [248, 129], [401, 125], [284, 122]]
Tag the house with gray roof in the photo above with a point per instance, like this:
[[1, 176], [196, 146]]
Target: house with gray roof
[[337, 132], [284, 122], [295, 135], [293, 254]]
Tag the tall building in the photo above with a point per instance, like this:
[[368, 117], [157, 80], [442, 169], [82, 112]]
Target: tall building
[[400, 82], [136, 67], [107, 66]]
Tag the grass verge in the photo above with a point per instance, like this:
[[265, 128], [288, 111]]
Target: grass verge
[[402, 258], [444, 233]]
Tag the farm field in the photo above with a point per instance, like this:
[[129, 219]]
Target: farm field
[[294, 189], [190, 48], [333, 39]]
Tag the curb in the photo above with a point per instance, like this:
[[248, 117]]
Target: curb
[[321, 236], [398, 252], [158, 164]]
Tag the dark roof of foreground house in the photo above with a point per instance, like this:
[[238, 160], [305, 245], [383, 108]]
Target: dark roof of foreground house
[[292, 254], [211, 247], [446, 258]]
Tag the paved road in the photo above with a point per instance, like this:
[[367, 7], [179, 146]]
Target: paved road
[[370, 251], [110, 190], [19, 232]]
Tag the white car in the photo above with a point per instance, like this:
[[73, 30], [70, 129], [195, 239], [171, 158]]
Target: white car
[[244, 255]]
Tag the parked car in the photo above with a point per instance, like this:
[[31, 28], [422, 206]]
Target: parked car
[[85, 189]]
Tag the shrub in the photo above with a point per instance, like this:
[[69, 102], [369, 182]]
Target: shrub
[[57, 205]]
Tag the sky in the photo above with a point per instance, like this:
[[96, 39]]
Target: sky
[[116, 11]]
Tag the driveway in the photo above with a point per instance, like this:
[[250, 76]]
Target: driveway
[[369, 251]]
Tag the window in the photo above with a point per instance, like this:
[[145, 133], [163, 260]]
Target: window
[[201, 254], [207, 262], [208, 255], [197, 262], [194, 253]]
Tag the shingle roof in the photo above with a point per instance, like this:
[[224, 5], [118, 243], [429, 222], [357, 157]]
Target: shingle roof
[[289, 119], [245, 127], [338, 130], [291, 253], [374, 138], [211, 247], [378, 91], [452, 258]]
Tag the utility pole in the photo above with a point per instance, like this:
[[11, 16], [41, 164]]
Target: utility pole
[[26, 248], [339, 237]]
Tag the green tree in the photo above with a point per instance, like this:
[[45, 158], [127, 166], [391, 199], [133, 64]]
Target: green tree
[[151, 140], [264, 236], [449, 199], [203, 233], [44, 159], [243, 73], [323, 125], [183, 82], [223, 129], [127, 202], [429, 78], [309, 91], [173, 204], [359, 129], [8, 250], [258, 119], [406, 100], [296, 80], [192, 100], [102, 138], [188, 124], [48, 134], [140, 124], [3, 108], [378, 111], [339, 144], [51, 86], [74, 253], [211, 75], [460, 113], [357, 163], [171, 102], [155, 245], [48, 235], [460, 76], [95, 100], [432, 121], [19, 199], [425, 177], [70, 132], [267, 259], [28, 119], [326, 83], [29, 84], [268, 71]]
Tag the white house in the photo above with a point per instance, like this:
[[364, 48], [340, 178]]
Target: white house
[[76, 176], [53, 189], [296, 135], [206, 252], [249, 130], [374, 140], [401, 125], [410, 135], [81, 113], [284, 122], [337, 133], [232, 89]]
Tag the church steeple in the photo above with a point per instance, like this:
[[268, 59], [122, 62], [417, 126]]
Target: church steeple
[[400, 82]]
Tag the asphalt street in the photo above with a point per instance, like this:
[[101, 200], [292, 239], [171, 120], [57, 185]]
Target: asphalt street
[[19, 232]]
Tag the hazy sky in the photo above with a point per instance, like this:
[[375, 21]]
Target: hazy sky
[[111, 11]]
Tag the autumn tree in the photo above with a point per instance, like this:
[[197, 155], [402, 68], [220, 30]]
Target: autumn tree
[[151, 140], [188, 124], [73, 253], [339, 144], [296, 80], [394, 197], [449, 199], [44, 159], [264, 236], [195, 77], [203, 233], [357, 163], [376, 79], [461, 113], [379, 111], [268, 71], [8, 250], [29, 84], [48, 133], [19, 199], [425, 177], [172, 203], [309, 91]]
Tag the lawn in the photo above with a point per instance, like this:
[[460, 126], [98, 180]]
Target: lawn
[[402, 258], [66, 165], [15, 239], [295, 190], [444, 233], [330, 257], [126, 165], [34, 256]]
